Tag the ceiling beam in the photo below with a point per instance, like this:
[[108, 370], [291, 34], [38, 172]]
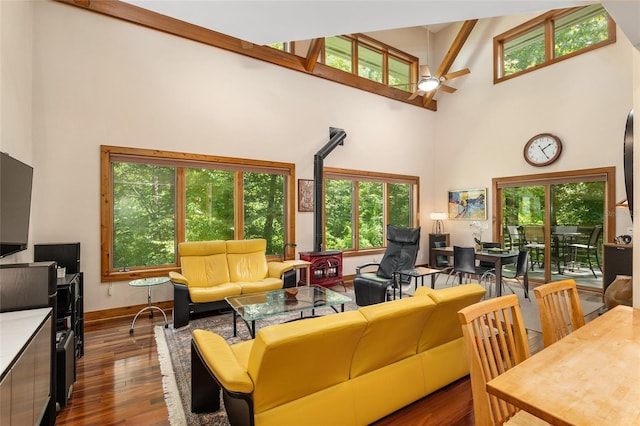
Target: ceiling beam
[[452, 54], [317, 44]]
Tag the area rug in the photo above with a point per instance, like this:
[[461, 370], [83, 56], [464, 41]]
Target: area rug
[[175, 345]]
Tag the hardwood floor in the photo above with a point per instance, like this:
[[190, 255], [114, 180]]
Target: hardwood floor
[[118, 379], [119, 383]]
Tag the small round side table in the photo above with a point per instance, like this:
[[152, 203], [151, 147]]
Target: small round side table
[[149, 282]]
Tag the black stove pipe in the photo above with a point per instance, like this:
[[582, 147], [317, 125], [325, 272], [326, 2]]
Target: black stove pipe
[[336, 137]]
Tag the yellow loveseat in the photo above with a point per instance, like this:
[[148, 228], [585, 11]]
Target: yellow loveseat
[[213, 270], [351, 368]]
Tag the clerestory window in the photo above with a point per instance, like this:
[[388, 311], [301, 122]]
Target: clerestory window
[[552, 37], [152, 200], [368, 58]]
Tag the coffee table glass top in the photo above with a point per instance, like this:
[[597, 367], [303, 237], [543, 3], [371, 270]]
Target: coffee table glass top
[[258, 306]]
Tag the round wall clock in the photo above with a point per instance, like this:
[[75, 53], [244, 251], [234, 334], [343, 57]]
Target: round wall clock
[[542, 150]]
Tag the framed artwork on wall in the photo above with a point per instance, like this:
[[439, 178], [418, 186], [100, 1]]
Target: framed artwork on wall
[[468, 204], [305, 195]]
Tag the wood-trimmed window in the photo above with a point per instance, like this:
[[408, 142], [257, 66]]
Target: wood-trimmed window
[[549, 38], [152, 200], [358, 206], [368, 58]]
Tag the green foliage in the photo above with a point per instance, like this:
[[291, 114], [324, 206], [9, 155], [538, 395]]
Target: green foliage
[[143, 216], [264, 209], [579, 204], [576, 31], [400, 204], [209, 204], [338, 207], [370, 215]]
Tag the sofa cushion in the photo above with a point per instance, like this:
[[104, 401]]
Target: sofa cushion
[[201, 248], [214, 293], [266, 284], [205, 271], [444, 326], [392, 334], [291, 360], [246, 260]]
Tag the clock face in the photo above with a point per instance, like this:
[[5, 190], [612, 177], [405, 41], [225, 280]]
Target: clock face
[[542, 149]]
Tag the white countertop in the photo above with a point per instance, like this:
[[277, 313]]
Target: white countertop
[[16, 328]]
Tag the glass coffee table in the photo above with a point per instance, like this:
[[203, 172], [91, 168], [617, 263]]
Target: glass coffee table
[[258, 306]]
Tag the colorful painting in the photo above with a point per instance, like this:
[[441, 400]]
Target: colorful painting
[[468, 204]]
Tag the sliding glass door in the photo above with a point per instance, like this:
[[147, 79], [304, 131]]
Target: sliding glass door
[[560, 220]]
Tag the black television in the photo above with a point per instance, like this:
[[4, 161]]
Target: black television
[[16, 179]]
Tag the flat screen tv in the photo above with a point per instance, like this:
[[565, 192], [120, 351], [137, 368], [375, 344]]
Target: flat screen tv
[[16, 179]]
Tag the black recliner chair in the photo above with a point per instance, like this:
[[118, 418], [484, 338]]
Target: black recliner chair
[[401, 253]]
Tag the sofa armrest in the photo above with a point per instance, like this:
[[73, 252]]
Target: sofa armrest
[[276, 269], [222, 362], [178, 278]]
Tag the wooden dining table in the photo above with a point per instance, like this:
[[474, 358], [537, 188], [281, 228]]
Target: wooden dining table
[[590, 377], [499, 259]]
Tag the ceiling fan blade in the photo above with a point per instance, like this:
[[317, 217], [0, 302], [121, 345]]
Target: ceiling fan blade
[[246, 44], [455, 74], [446, 88], [414, 95]]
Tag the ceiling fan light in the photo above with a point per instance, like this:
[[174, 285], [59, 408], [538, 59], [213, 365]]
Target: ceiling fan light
[[428, 84]]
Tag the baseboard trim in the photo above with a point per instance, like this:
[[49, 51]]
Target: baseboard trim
[[123, 311]]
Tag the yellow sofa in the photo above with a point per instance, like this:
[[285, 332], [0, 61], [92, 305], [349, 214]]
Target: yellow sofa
[[351, 368], [213, 270]]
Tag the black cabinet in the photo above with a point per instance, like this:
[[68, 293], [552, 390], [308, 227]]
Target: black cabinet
[[438, 240], [70, 312], [618, 260]]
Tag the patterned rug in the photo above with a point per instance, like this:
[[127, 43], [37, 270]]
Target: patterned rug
[[174, 348]]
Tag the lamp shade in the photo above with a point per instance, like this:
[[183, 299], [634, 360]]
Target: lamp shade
[[428, 84], [438, 217]]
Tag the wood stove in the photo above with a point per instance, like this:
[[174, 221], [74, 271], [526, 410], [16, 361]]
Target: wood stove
[[325, 268]]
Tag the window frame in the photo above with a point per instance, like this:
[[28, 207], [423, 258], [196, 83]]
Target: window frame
[[545, 21], [386, 178], [385, 50], [110, 154]]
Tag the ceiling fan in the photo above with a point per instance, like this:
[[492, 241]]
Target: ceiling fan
[[432, 83], [429, 84]]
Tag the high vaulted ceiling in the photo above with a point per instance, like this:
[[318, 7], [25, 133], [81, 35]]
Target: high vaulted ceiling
[[263, 22]]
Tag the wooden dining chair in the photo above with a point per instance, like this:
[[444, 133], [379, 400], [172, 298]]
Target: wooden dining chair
[[496, 341], [559, 308]]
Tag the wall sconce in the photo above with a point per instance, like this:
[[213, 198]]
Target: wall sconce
[[438, 226]]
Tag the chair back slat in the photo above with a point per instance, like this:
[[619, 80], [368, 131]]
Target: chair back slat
[[496, 341], [560, 310]]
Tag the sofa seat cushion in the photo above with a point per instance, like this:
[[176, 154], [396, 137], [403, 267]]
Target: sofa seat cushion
[[265, 284], [392, 334], [291, 360], [214, 293]]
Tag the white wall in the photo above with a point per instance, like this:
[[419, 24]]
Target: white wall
[[482, 128], [97, 80], [102, 81], [16, 137]]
